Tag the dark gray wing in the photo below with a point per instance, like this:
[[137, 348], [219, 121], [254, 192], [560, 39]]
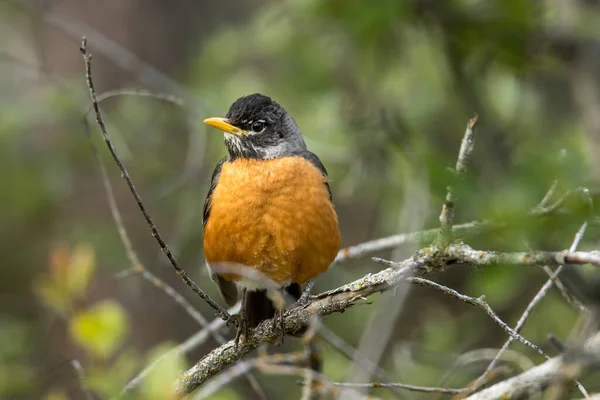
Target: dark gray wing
[[314, 160], [227, 289]]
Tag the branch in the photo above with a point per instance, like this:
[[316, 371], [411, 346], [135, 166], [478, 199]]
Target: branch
[[480, 302], [186, 347], [537, 298], [390, 242], [464, 155], [82, 379], [337, 300], [163, 246], [412, 388], [344, 297], [282, 364], [538, 377]]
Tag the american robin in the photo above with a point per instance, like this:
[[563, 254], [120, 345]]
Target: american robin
[[268, 211]]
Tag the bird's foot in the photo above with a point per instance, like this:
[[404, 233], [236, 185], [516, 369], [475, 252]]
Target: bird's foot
[[303, 300], [279, 326], [241, 322]]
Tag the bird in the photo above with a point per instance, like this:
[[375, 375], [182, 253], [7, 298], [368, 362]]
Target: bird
[[269, 222]]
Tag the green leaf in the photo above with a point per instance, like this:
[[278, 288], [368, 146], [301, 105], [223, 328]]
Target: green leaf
[[101, 329]]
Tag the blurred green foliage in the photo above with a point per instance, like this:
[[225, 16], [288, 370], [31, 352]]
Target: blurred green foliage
[[382, 92]]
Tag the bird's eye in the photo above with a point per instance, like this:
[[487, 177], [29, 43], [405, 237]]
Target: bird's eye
[[258, 126]]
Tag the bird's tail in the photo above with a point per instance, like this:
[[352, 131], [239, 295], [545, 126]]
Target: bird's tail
[[259, 307]]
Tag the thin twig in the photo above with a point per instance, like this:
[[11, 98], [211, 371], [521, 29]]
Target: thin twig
[[549, 194], [390, 242], [545, 210], [412, 388], [88, 69], [82, 380], [479, 301], [464, 156], [279, 364], [535, 378], [534, 302], [197, 339], [137, 266], [356, 356], [314, 361]]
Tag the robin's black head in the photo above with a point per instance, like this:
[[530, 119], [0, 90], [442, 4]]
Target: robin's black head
[[257, 127]]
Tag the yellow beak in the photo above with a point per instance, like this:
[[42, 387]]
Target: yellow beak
[[223, 124]]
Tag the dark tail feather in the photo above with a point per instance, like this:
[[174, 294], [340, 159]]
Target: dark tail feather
[[260, 308]]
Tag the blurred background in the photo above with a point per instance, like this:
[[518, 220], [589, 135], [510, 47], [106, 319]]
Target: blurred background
[[382, 91]]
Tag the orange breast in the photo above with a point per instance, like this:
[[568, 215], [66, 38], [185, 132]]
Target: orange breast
[[274, 216]]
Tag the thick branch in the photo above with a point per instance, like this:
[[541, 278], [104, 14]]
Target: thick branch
[[337, 300], [342, 298]]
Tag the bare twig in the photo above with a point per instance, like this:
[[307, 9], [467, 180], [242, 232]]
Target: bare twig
[[353, 354], [412, 388], [137, 266], [314, 361], [218, 309], [296, 319], [190, 344], [546, 199], [537, 298], [479, 301], [542, 209], [464, 156], [354, 293], [278, 364], [533, 379], [390, 242], [82, 380]]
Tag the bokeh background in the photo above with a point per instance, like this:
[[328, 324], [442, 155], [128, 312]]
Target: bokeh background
[[382, 91]]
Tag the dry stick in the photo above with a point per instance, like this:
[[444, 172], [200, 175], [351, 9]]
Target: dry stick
[[191, 162], [412, 388], [542, 205], [141, 93], [296, 319], [353, 354], [540, 376], [138, 267], [340, 299], [277, 364], [82, 380], [314, 360], [477, 302], [390, 242], [473, 356], [537, 298], [163, 246], [186, 347], [464, 155], [459, 253], [542, 209]]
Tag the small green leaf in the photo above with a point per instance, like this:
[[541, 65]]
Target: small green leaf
[[101, 329]]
